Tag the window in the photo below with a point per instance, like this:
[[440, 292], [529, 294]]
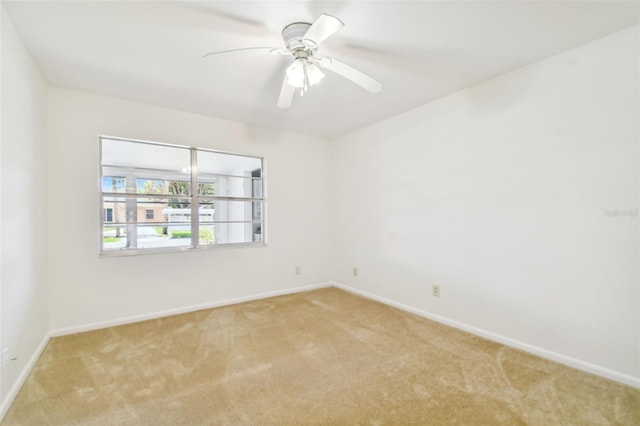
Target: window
[[167, 197]]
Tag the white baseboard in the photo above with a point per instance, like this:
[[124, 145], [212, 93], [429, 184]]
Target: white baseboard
[[13, 392], [182, 310], [544, 353]]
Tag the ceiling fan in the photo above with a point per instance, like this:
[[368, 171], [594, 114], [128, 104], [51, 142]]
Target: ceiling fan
[[302, 41]]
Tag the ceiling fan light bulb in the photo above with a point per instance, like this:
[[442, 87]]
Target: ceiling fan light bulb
[[295, 74], [314, 74]]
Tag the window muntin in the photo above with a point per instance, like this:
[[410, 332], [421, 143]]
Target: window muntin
[[148, 202]]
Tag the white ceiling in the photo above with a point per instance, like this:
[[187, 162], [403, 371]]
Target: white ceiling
[[419, 50]]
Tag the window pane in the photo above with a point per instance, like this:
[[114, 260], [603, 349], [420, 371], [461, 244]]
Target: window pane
[[230, 233], [114, 237], [230, 186], [163, 187], [207, 187], [140, 210], [228, 164], [113, 184], [230, 222], [115, 210], [138, 155], [158, 236], [138, 222], [230, 211], [146, 182], [178, 220], [146, 236]]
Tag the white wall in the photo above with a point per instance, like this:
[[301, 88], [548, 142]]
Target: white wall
[[499, 194], [23, 292], [85, 288]]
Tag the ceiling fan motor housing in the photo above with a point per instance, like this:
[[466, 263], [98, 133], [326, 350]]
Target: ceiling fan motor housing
[[293, 35]]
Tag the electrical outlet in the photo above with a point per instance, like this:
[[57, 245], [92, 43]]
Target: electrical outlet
[[436, 291], [355, 272], [298, 270]]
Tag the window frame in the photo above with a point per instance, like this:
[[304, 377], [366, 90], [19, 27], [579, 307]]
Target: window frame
[[195, 199]]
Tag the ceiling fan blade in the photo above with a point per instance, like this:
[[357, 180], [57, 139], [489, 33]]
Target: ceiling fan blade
[[350, 73], [271, 50], [286, 95], [324, 27]]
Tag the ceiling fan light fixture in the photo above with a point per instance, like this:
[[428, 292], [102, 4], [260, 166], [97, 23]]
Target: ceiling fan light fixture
[[295, 74], [301, 74], [314, 75]]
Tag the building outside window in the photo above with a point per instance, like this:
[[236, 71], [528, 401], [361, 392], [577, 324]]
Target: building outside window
[[166, 197]]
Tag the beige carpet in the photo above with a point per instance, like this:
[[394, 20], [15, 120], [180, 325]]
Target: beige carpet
[[319, 357]]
